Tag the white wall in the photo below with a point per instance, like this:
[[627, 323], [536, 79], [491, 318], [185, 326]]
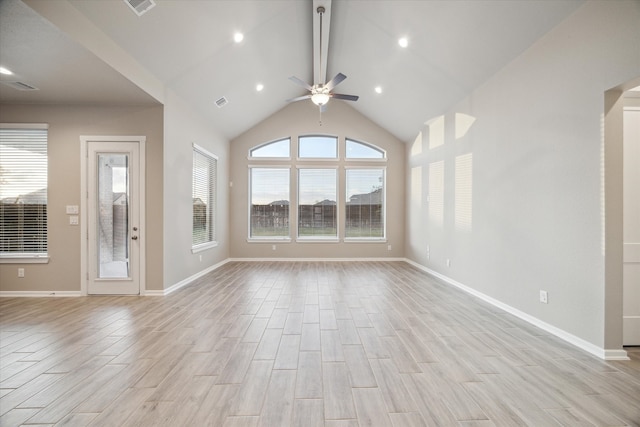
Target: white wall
[[182, 128], [537, 200], [631, 223]]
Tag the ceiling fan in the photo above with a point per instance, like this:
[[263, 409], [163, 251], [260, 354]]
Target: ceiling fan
[[320, 93]]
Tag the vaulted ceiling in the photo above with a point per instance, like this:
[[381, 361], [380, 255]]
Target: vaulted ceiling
[[188, 48]]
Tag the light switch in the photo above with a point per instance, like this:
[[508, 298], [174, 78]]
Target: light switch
[[72, 210], [73, 220]]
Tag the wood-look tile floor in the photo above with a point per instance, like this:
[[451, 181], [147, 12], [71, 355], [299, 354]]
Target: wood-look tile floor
[[304, 344]]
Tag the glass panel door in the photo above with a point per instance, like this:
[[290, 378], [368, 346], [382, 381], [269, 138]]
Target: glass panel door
[[114, 238], [113, 216]]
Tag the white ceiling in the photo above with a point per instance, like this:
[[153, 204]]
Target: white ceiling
[[454, 46]]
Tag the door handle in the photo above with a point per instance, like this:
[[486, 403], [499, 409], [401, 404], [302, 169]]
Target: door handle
[[134, 237]]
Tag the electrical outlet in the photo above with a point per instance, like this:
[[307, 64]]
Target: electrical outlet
[[21, 272], [544, 298], [388, 247], [273, 247]]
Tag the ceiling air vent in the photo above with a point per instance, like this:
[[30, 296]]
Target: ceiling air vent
[[20, 86], [140, 7], [221, 102]]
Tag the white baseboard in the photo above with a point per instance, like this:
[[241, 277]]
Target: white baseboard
[[187, 281], [560, 333], [314, 259], [39, 294]]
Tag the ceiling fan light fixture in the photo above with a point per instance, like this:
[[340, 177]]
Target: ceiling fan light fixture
[[320, 98]]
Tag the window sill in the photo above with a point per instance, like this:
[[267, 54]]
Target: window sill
[[365, 240], [203, 247], [24, 259], [269, 240], [317, 240]]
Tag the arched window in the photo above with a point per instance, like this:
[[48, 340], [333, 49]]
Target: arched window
[[361, 150], [279, 149]]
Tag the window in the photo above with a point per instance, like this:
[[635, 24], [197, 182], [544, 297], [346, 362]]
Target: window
[[365, 204], [204, 199], [269, 206], [318, 147], [317, 195], [275, 149], [360, 150], [23, 191]]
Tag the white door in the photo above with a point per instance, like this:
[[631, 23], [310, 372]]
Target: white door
[[114, 204], [631, 231]]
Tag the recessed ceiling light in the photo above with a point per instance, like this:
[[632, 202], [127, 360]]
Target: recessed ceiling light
[[403, 42], [259, 87], [5, 71], [378, 89], [238, 37]]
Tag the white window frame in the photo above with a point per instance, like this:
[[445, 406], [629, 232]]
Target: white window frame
[[27, 257], [257, 147], [364, 159], [212, 216]]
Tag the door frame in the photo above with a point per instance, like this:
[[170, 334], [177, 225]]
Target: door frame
[[84, 208]]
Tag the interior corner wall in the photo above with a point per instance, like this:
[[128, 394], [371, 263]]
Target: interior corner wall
[[183, 128], [302, 118], [534, 216], [66, 124]]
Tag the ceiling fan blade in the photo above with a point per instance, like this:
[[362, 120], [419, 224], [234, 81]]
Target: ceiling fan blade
[[300, 83], [344, 97], [335, 81], [300, 98]]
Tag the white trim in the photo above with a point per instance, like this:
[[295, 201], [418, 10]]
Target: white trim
[[203, 247], [368, 259], [317, 239], [154, 293], [84, 220], [560, 333], [39, 294], [269, 239], [188, 280], [24, 125], [364, 240], [204, 151], [24, 259], [615, 355]]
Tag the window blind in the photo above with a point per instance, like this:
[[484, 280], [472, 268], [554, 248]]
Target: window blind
[[204, 196], [23, 190]]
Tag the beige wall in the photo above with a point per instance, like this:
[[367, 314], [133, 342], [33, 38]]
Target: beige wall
[[301, 118], [66, 124]]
